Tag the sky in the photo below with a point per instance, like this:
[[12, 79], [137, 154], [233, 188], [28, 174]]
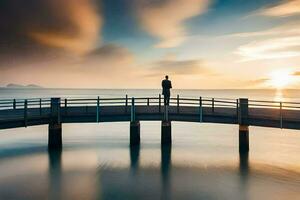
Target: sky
[[200, 44]]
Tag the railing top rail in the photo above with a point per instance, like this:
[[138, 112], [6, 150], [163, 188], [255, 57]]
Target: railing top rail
[[181, 99]]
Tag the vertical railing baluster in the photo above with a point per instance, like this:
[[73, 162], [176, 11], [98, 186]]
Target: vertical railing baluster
[[126, 101], [66, 106], [281, 115], [159, 102], [132, 110], [213, 105], [40, 107], [166, 113], [25, 113], [237, 109], [177, 103], [14, 104], [200, 110], [148, 102], [98, 108]]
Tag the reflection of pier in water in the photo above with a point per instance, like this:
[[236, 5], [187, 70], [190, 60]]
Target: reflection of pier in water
[[171, 182], [168, 180], [55, 172]]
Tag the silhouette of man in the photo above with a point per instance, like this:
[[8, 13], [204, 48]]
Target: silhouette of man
[[166, 86]]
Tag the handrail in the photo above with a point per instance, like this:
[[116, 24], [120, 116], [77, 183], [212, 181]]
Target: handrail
[[147, 101]]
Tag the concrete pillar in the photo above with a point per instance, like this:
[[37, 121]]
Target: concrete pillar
[[54, 136], [243, 139], [135, 133], [55, 127], [166, 133], [243, 126]]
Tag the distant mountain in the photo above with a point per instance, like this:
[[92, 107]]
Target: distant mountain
[[13, 85]]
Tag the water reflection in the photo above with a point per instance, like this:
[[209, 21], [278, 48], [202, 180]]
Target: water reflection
[[55, 172], [134, 158], [170, 179], [244, 174], [166, 171], [115, 184], [244, 165]]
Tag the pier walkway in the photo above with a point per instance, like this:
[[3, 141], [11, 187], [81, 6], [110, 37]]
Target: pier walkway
[[55, 111]]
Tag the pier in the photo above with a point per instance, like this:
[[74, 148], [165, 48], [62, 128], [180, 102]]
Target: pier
[[56, 111]]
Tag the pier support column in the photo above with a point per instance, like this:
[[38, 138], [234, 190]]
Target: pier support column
[[243, 126], [135, 133], [54, 136], [55, 127], [243, 139], [166, 133]]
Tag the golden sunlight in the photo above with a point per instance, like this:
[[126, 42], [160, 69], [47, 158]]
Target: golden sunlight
[[280, 79]]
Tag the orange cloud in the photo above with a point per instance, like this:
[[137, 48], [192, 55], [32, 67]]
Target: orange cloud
[[287, 8], [85, 23], [44, 25], [165, 19], [279, 42]]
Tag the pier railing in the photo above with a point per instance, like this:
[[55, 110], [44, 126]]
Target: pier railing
[[55, 111], [213, 103]]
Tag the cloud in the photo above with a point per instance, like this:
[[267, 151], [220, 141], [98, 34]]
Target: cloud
[[109, 66], [296, 73], [109, 59], [172, 66], [60, 24], [280, 42], [276, 48], [286, 8], [165, 19]]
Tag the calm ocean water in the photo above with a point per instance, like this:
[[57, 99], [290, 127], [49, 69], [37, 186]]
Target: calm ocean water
[[97, 163]]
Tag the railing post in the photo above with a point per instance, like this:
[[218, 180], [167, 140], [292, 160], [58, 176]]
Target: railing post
[[159, 102], [25, 113], [200, 110], [166, 113], [66, 106], [243, 111], [134, 126], [55, 128], [98, 108], [14, 104], [132, 114], [281, 115], [213, 105], [166, 128], [40, 107], [237, 109], [178, 103], [243, 126], [148, 102]]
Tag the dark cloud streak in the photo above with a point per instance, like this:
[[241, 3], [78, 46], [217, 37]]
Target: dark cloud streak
[[33, 30]]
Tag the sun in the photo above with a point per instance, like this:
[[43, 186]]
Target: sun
[[280, 79]]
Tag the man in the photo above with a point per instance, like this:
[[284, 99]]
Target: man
[[166, 86]]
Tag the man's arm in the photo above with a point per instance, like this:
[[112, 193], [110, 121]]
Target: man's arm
[[170, 84]]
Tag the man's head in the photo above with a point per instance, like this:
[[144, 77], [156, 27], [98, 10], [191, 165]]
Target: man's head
[[167, 77]]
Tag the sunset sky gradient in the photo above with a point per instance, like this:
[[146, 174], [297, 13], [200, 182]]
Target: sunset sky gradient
[[200, 44]]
